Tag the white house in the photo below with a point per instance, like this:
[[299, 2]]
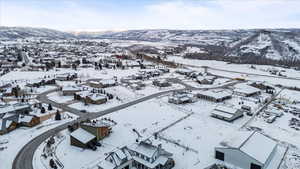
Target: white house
[[214, 95], [141, 155], [245, 90], [250, 150], [226, 113]]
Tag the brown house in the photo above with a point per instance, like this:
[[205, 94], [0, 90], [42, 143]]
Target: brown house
[[28, 120], [7, 126], [99, 129], [82, 138], [96, 99]]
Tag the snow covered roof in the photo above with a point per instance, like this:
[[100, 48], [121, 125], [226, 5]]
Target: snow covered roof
[[83, 93], [107, 81], [12, 108], [71, 88], [244, 88], [4, 124], [25, 118], [229, 113], [82, 135], [259, 147], [100, 123], [215, 94], [116, 158], [144, 148], [252, 143], [97, 96]]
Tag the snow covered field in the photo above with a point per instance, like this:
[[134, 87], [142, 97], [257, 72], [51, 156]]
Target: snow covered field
[[200, 132], [260, 69], [147, 118]]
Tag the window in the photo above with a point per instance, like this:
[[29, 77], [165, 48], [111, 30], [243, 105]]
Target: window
[[255, 166], [219, 155]]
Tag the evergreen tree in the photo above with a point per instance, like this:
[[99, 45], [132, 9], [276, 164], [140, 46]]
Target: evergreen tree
[[43, 110], [57, 115], [50, 107]]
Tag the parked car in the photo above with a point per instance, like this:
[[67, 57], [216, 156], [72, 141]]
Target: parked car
[[271, 119], [83, 111]]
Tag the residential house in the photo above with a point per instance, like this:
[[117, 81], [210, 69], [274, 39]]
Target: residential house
[[181, 97], [66, 76], [70, 90], [250, 150], [225, 113], [82, 138], [206, 80], [28, 120], [161, 83], [214, 95], [100, 129], [103, 83], [7, 126], [96, 98], [243, 89], [140, 155]]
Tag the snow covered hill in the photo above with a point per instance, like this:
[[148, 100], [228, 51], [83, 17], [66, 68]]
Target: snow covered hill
[[258, 46], [11, 33], [273, 44]]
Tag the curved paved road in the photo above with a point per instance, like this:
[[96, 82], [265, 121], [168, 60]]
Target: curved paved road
[[24, 159]]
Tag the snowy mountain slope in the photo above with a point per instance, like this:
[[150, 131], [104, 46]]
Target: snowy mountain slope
[[248, 45], [275, 45], [10, 33], [180, 36]]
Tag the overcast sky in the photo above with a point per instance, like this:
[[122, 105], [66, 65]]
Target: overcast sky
[[97, 15]]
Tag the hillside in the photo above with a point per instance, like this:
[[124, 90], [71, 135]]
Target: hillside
[[249, 46], [11, 33]]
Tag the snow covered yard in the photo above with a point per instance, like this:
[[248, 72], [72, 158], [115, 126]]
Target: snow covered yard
[[24, 135], [95, 107], [200, 132], [41, 89], [59, 98], [292, 159], [147, 118], [280, 128]]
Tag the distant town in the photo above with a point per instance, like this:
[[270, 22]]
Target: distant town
[[115, 104]]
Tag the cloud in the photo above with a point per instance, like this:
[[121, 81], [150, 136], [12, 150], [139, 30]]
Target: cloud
[[228, 14], [164, 14]]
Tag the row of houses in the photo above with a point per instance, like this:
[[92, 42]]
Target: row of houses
[[103, 83], [41, 82], [66, 76], [16, 115]]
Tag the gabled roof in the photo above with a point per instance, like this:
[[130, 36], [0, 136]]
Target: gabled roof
[[82, 135], [244, 88], [252, 143], [215, 94], [144, 148]]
